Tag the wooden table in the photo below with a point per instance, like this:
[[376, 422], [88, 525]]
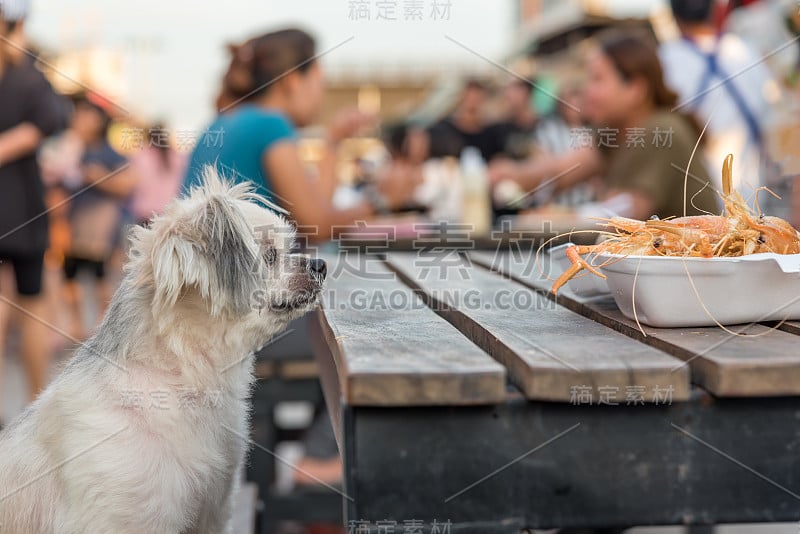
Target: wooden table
[[466, 398]]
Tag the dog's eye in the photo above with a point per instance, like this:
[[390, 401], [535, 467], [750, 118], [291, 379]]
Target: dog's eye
[[270, 255]]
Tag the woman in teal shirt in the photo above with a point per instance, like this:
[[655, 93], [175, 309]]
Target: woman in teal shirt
[[274, 84], [236, 142]]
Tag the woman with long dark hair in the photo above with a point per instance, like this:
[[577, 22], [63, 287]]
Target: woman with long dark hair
[[273, 86], [639, 145]]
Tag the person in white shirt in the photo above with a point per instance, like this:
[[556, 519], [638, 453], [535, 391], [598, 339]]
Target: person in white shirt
[[721, 79]]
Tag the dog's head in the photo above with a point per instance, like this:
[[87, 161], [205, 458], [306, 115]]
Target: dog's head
[[217, 249]]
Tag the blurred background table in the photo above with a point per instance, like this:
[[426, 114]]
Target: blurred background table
[[416, 232]]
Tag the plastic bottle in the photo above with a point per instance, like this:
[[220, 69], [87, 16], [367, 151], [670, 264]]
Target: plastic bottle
[[445, 176], [476, 208]]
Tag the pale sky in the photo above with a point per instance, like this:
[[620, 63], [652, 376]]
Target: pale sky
[[173, 50]]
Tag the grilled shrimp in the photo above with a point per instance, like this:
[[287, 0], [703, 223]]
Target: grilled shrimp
[[737, 232]]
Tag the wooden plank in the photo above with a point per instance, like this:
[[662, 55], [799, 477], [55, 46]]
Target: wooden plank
[[298, 370], [328, 374], [550, 352], [391, 350], [724, 364], [288, 370]]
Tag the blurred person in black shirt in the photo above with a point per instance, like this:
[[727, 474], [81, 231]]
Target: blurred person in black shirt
[[525, 130], [466, 126], [29, 112], [516, 133]]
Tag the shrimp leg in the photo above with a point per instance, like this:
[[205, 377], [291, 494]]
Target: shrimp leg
[[578, 264]]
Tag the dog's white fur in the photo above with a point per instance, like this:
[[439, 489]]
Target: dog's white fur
[[207, 283]]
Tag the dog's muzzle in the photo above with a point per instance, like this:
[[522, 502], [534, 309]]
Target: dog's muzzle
[[316, 271]]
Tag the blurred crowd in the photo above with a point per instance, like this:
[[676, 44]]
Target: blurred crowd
[[623, 139]]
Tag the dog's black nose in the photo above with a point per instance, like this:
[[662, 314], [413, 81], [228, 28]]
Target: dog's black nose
[[318, 266]]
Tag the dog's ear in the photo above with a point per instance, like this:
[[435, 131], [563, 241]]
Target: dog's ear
[[232, 252], [212, 249]]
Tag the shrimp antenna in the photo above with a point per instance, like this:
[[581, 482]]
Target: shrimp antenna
[[691, 158]]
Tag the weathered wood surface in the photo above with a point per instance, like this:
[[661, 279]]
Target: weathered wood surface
[[551, 353], [726, 365], [391, 350]]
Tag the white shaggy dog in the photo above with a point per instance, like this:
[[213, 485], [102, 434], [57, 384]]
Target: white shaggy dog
[[146, 427]]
